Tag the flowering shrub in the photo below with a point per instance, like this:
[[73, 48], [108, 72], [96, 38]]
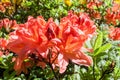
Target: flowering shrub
[[59, 40]]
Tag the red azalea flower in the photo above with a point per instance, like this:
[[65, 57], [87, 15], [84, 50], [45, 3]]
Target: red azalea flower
[[3, 47], [115, 33], [3, 43], [113, 14], [1, 53], [45, 42], [73, 32], [95, 14], [115, 7], [110, 17], [52, 29], [27, 39], [8, 24], [3, 6], [93, 4], [32, 40]]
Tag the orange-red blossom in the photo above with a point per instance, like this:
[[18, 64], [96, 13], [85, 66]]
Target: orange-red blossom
[[3, 47], [114, 33], [44, 42]]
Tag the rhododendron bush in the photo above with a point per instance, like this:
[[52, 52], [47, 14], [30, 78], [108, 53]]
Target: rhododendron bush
[[79, 40]]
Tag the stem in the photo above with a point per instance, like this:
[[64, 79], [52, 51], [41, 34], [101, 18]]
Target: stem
[[103, 75], [56, 78], [108, 70], [49, 63], [94, 68]]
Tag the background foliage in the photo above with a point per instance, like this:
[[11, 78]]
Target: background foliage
[[106, 54]]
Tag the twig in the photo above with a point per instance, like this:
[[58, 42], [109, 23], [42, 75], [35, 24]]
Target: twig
[[49, 63], [108, 70]]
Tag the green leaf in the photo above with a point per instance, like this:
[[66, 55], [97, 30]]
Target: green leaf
[[1, 59], [38, 79], [12, 75], [103, 48], [98, 41]]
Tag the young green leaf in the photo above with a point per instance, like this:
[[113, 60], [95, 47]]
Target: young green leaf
[[98, 41], [103, 48]]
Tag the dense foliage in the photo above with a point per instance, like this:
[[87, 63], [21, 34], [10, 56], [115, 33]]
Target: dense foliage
[[60, 39]]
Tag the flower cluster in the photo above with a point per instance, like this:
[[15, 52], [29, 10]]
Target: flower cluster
[[39, 42], [92, 8], [113, 14]]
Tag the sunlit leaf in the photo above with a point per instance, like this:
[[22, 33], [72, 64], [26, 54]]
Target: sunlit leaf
[[103, 48], [98, 41]]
